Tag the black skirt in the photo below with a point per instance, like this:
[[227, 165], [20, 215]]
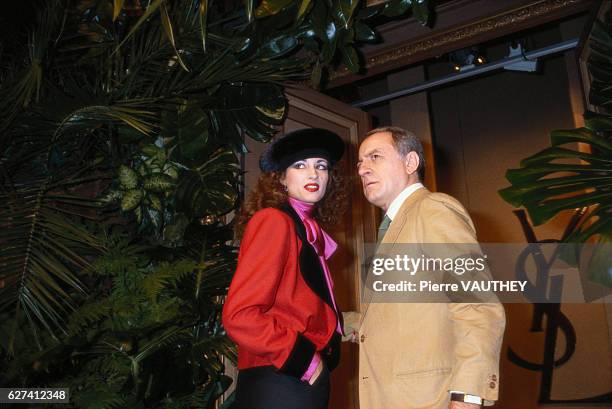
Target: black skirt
[[266, 388]]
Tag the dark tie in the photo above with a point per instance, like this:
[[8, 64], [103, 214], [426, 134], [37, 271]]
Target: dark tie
[[382, 229]]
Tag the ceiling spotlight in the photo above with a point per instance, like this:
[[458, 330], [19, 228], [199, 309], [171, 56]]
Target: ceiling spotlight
[[466, 59], [524, 64]]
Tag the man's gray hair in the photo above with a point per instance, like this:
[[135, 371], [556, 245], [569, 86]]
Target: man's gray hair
[[405, 142]]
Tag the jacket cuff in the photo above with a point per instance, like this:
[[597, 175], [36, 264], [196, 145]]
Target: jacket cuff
[[300, 357]]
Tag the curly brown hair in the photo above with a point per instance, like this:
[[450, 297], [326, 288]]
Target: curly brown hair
[[269, 192]]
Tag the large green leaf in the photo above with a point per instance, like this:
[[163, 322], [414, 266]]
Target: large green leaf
[[211, 188], [253, 108], [127, 177], [558, 178], [278, 47], [545, 186]]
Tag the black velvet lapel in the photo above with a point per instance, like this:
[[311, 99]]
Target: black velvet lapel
[[310, 266]]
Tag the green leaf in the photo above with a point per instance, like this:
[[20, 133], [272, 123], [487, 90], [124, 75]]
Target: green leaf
[[131, 199], [152, 8], [600, 71], [559, 178], [331, 40], [545, 210], [158, 183], [278, 47], [117, 6], [394, 8], [127, 177], [343, 11], [598, 123], [210, 189], [304, 5], [601, 34], [599, 264], [169, 30], [270, 7], [99, 396], [369, 11], [350, 58], [248, 4], [600, 53], [583, 135], [319, 19], [420, 10], [174, 232], [331, 32], [203, 17], [155, 152], [364, 33], [315, 78]]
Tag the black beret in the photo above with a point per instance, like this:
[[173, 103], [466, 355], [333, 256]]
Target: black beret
[[301, 144]]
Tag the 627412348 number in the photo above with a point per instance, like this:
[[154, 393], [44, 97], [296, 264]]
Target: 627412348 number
[[34, 395]]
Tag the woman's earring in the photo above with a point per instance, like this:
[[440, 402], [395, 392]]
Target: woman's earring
[[285, 188]]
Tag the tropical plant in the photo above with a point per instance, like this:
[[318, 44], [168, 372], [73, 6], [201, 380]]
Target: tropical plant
[[148, 333], [120, 125], [562, 177]]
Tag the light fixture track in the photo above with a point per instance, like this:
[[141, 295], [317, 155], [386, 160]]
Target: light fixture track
[[477, 70]]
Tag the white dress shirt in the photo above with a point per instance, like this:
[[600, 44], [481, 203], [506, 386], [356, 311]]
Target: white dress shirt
[[401, 198]]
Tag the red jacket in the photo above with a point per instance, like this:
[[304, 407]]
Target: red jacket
[[279, 310]]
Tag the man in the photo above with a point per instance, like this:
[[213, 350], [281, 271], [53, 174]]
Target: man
[[421, 355]]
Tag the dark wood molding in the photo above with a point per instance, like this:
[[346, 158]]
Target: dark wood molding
[[459, 24]]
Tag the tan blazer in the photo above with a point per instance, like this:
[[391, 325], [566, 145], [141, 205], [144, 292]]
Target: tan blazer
[[412, 354]]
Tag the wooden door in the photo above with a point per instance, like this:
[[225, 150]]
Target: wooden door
[[310, 109]]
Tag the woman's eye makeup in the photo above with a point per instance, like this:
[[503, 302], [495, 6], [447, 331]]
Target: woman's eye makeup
[[318, 166]]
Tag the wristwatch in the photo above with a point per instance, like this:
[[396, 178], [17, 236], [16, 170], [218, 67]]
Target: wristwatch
[[464, 397]]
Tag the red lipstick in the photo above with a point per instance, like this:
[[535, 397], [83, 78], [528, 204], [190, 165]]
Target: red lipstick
[[312, 187]]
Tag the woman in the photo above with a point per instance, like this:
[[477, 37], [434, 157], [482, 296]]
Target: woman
[[280, 309]]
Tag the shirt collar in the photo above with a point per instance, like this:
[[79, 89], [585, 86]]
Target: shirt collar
[[401, 198]]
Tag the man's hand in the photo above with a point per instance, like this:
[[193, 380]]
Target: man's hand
[[462, 405], [316, 373], [351, 336], [351, 326]]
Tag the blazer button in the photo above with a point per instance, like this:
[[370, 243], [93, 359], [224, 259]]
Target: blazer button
[[492, 385], [362, 339]]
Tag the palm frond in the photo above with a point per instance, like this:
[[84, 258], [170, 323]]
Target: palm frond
[[42, 253]]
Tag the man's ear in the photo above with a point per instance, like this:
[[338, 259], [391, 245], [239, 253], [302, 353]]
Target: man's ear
[[412, 162]]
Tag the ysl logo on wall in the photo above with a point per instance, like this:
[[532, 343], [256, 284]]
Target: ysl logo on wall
[[555, 319]]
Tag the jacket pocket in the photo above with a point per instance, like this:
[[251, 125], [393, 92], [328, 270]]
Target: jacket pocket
[[423, 373], [424, 388]]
